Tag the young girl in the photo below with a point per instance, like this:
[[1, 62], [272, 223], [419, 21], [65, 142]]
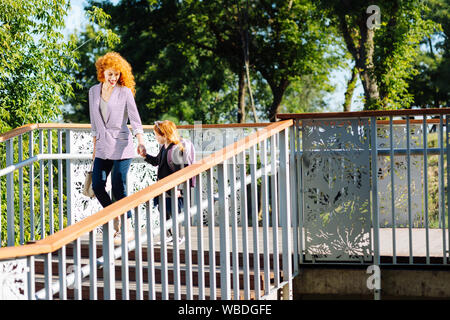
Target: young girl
[[167, 136]]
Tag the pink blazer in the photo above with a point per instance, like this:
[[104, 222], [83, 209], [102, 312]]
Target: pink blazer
[[114, 140]]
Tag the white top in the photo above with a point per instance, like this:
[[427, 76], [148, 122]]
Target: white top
[[103, 109]]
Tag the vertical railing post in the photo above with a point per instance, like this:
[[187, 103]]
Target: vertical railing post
[[200, 254], [211, 233], [31, 288], [244, 225], [442, 187], [285, 214], [294, 195], [187, 235], [78, 290], [10, 194], [138, 254], [234, 226], [48, 276], [124, 259], [176, 249], [50, 184], [150, 252], [425, 187], [60, 183], [92, 265], [224, 223], [265, 215], [163, 250], [392, 164], [62, 272], [299, 196], [274, 205], [41, 184], [70, 219], [375, 220], [31, 178], [447, 143], [408, 183], [255, 222], [21, 217], [109, 264]]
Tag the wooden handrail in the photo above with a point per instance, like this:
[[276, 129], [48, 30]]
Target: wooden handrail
[[73, 232], [362, 114], [30, 127]]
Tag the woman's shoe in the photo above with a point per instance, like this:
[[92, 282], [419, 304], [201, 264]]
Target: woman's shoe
[[117, 224], [130, 234]]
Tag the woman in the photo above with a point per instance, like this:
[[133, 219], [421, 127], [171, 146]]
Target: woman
[[111, 105], [167, 136]]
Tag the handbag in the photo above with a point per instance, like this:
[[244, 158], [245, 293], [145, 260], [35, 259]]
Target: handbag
[[87, 188]]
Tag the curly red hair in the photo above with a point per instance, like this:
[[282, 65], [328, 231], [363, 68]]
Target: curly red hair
[[168, 130], [115, 61]]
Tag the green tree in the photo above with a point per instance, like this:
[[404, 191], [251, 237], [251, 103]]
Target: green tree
[[384, 55], [36, 64], [194, 60], [430, 87], [287, 40], [35, 60], [174, 80]]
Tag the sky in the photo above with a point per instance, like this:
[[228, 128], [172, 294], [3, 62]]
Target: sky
[[76, 19]]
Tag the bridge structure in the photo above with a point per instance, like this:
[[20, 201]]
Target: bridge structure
[[367, 189]]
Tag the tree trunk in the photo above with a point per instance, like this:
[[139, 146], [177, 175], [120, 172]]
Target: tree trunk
[[241, 116], [278, 93], [365, 65], [362, 52], [351, 84]]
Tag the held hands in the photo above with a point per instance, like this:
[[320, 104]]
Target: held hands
[[141, 150]]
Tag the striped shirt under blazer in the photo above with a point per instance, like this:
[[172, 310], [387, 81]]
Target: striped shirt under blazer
[[114, 141]]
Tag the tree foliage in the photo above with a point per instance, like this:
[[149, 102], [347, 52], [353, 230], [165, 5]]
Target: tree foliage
[[384, 56], [189, 57], [36, 60], [430, 87], [37, 64]]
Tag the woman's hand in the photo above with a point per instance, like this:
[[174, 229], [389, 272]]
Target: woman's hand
[[94, 141], [141, 150]]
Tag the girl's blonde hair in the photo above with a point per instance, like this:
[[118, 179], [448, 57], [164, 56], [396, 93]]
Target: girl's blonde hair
[[115, 61], [168, 130]]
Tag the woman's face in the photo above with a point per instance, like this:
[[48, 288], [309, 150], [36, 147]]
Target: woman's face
[[111, 76]]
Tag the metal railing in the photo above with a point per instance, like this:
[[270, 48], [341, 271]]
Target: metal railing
[[266, 152], [402, 219], [337, 188], [43, 166]]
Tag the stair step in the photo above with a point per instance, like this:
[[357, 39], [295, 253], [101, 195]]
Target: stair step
[[39, 269], [182, 255], [131, 274], [132, 289]]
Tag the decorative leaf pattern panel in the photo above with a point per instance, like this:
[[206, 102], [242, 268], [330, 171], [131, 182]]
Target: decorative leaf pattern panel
[[336, 184], [13, 279]]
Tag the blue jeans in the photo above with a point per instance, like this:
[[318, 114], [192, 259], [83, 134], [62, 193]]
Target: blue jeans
[[169, 205], [100, 172], [169, 212]]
